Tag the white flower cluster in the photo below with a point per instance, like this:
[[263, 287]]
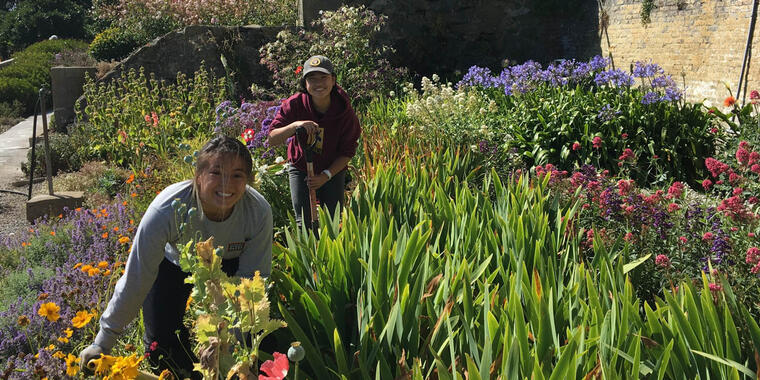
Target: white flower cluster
[[439, 103]]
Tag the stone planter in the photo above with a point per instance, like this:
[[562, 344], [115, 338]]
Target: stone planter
[[66, 83]]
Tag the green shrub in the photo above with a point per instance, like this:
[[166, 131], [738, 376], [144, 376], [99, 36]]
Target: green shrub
[[129, 120], [113, 44], [63, 156], [31, 21], [30, 71], [348, 37]]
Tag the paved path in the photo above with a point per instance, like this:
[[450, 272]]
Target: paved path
[[14, 144]]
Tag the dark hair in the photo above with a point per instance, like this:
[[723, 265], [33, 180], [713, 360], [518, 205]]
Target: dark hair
[[223, 145]]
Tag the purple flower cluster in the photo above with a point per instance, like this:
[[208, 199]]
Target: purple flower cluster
[[646, 70], [233, 121], [615, 77], [607, 113], [524, 78], [94, 237]]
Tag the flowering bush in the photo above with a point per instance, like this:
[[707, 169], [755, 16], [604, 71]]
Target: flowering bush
[[576, 113], [681, 233], [346, 36], [135, 117]]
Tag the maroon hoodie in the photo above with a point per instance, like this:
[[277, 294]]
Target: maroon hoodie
[[340, 125]]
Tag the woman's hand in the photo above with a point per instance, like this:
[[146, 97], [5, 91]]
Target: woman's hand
[[311, 127], [315, 182]]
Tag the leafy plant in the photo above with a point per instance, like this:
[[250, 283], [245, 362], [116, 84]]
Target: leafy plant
[[63, 156], [346, 36], [135, 117]]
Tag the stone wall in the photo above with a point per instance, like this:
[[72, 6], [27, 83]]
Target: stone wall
[[445, 36], [184, 50], [699, 41]]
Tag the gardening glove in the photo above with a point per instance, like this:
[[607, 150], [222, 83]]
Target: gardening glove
[[92, 351]]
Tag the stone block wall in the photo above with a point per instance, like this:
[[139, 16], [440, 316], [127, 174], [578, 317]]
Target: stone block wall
[[699, 42]]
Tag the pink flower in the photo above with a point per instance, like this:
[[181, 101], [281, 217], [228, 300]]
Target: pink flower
[[275, 370], [683, 239], [153, 346], [627, 155], [673, 207], [155, 118], [733, 178], [625, 186], [708, 236], [628, 236], [755, 168], [742, 156], [753, 255], [597, 142], [662, 261], [624, 136], [737, 190], [576, 146], [750, 234], [147, 119], [676, 189], [713, 130], [707, 184], [754, 95], [715, 167], [715, 287]]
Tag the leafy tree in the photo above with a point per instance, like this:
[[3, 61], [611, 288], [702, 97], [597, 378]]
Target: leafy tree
[[25, 22]]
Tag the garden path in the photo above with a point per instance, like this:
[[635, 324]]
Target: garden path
[[14, 145]]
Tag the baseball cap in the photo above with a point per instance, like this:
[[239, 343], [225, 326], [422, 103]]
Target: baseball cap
[[317, 63]]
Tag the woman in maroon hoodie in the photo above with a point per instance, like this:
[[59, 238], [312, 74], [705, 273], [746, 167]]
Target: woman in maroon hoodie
[[324, 111]]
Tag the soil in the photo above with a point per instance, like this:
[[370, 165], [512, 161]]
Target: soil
[[13, 206]]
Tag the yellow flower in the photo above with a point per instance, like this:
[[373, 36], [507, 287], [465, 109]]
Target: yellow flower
[[51, 347], [50, 311], [103, 264], [103, 364], [77, 265], [123, 240], [93, 272], [81, 319], [165, 375], [189, 301], [59, 355], [86, 268], [107, 272], [125, 368], [63, 339], [68, 332], [72, 367]]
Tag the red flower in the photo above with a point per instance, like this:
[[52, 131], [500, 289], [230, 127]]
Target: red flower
[[754, 95], [624, 136], [248, 135], [673, 207], [298, 70], [729, 101], [155, 118], [713, 130], [275, 370], [627, 155], [597, 142], [576, 146], [708, 236]]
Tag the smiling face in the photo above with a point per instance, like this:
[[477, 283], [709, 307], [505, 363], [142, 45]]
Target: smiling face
[[221, 185], [319, 85]]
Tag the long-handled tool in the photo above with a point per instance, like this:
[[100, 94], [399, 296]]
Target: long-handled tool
[[308, 149]]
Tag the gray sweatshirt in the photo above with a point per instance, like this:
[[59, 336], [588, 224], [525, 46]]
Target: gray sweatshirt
[[246, 233]]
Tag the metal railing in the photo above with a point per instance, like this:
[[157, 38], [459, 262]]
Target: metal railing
[[7, 62]]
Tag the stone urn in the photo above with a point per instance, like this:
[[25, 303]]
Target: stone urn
[[66, 86]]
